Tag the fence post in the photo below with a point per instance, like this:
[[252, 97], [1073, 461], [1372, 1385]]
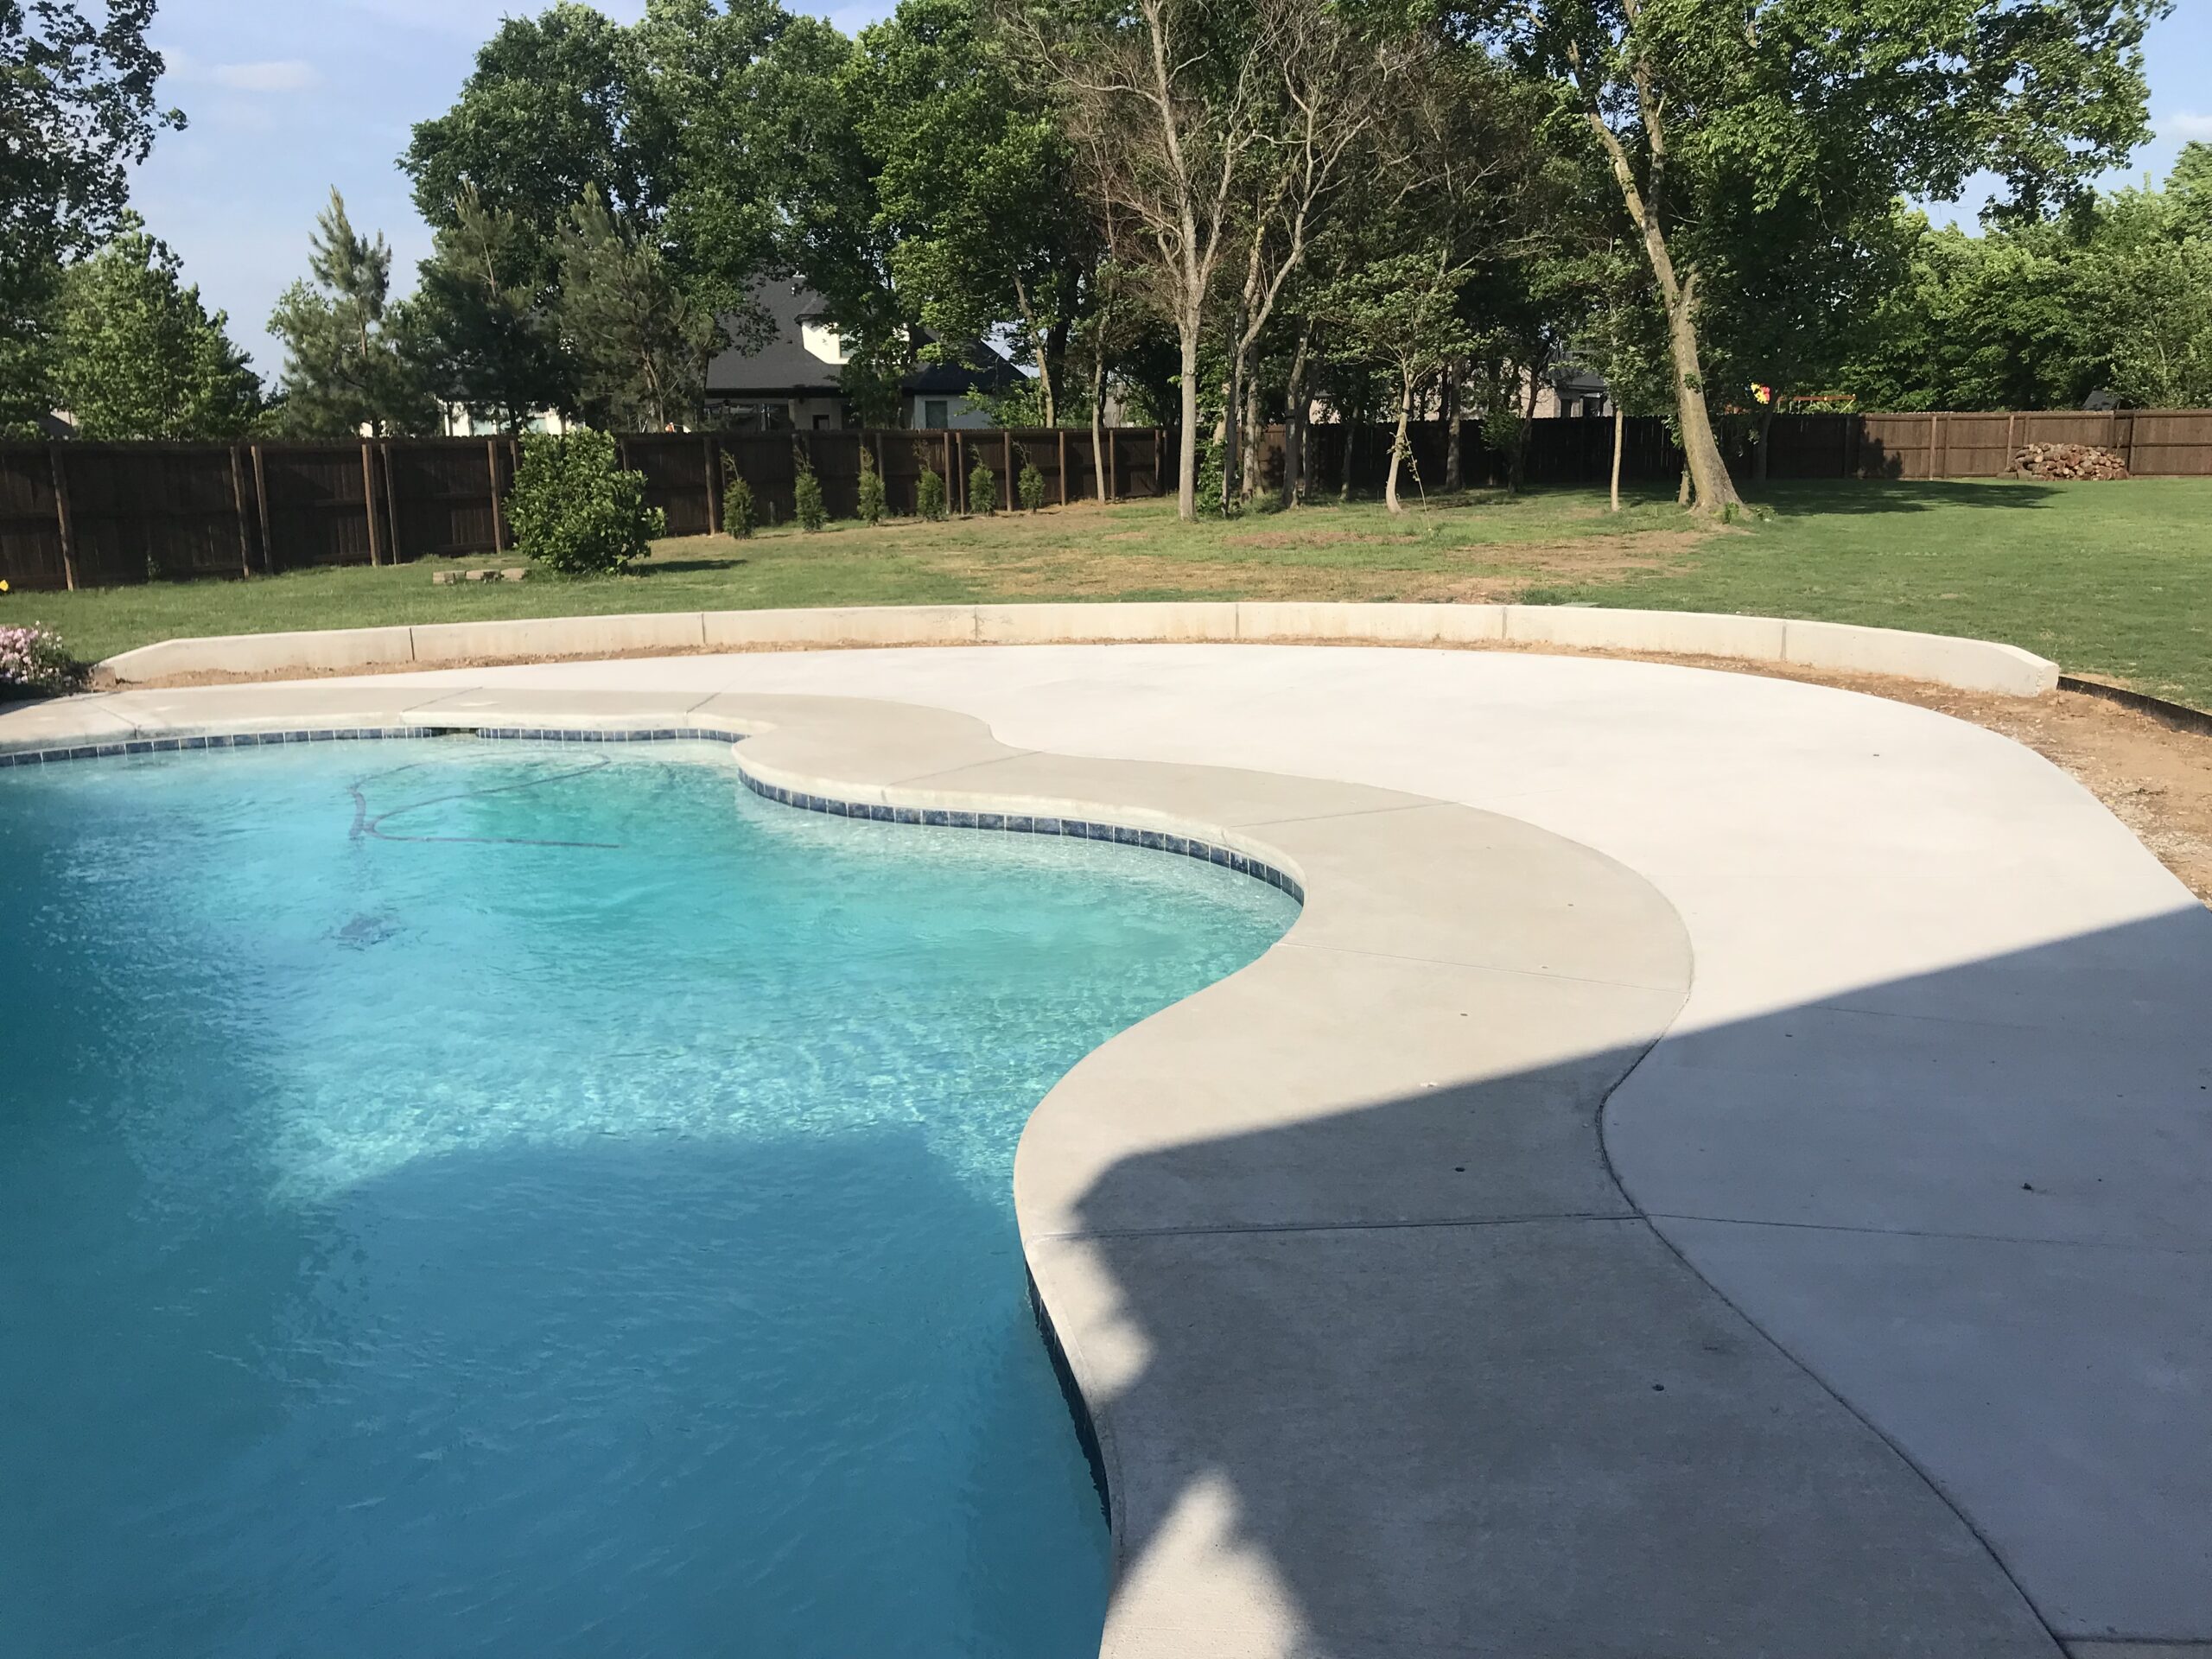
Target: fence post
[[261, 508], [710, 448], [369, 499], [492, 475], [1113, 487], [1064, 465], [63, 521], [391, 501], [960, 466], [2012, 425], [238, 501], [1013, 497], [1159, 465]]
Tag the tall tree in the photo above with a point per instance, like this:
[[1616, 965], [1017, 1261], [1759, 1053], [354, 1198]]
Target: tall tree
[[642, 343], [77, 112], [1832, 103], [347, 363], [557, 106], [138, 356], [974, 184], [485, 328], [1329, 91], [1165, 102]]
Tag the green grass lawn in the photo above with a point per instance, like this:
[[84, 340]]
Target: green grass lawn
[[2111, 578]]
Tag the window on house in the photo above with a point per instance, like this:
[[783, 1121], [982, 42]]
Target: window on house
[[936, 412], [822, 423]]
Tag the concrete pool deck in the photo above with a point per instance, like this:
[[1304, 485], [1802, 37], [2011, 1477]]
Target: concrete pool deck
[[1870, 1319]]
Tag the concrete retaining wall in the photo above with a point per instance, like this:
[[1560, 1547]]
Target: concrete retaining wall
[[1969, 665]]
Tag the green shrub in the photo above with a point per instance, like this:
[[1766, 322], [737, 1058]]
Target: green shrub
[[872, 507], [1031, 486], [929, 494], [1214, 500], [806, 497], [575, 510], [739, 513], [982, 488]]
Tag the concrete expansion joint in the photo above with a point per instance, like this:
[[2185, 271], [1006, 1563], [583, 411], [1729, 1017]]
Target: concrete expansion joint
[[1523, 972], [1227, 1229], [915, 779], [1356, 812], [2128, 1246]]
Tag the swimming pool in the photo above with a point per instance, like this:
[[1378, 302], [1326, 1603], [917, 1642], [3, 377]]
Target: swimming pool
[[521, 1200]]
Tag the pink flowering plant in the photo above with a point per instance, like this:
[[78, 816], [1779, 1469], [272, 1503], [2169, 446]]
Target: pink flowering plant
[[34, 662]]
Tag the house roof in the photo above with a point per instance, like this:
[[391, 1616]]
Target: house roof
[[784, 368]]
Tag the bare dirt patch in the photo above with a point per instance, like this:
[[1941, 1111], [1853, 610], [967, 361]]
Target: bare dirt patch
[[1278, 538]]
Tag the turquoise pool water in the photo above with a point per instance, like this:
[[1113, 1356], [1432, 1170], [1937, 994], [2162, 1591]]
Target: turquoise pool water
[[507, 1200]]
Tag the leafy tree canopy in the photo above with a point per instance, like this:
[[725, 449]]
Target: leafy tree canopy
[[77, 112], [138, 356], [347, 362]]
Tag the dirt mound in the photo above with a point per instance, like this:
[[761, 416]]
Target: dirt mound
[[2068, 461]]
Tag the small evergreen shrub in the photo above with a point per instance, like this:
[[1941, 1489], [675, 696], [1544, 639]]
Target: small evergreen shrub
[[33, 663], [575, 510], [929, 494], [739, 515], [982, 489], [1031, 486], [806, 497], [871, 506]]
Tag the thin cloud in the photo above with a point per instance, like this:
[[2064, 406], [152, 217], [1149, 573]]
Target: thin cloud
[[267, 75], [2183, 124], [277, 75]]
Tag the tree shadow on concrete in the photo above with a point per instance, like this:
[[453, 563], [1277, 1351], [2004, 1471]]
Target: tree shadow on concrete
[[1952, 1225]]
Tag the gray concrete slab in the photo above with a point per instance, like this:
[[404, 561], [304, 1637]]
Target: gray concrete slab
[[2111, 1348], [1260, 1101], [2026, 1133], [1561, 1448]]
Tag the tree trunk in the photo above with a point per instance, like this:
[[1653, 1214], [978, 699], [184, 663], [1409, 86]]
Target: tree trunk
[[1620, 423], [1232, 427], [1682, 493], [1294, 424], [1516, 471], [1398, 444], [1352, 440], [1455, 468], [1186, 445], [1255, 441], [1098, 423], [1714, 492]]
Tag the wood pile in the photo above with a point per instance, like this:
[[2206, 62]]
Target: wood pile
[[2073, 461]]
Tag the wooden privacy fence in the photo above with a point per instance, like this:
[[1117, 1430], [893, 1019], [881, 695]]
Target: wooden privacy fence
[[97, 515], [87, 515], [1572, 450]]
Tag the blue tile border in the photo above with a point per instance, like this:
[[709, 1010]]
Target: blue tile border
[[356, 734], [1016, 823], [936, 818]]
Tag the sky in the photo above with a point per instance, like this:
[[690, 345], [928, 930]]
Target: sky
[[288, 97]]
